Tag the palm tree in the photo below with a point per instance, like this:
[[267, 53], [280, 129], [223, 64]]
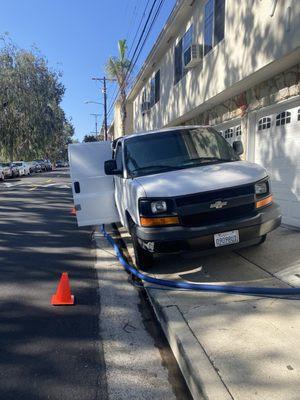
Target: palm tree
[[118, 68]]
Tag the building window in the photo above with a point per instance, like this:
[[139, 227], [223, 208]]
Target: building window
[[264, 123], [229, 133], [182, 55], [187, 42], [214, 23], [157, 86], [155, 89], [144, 96], [283, 118], [152, 92], [238, 131], [219, 23], [145, 102], [178, 70]]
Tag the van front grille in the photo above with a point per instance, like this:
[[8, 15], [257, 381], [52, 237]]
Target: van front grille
[[214, 195], [213, 217]]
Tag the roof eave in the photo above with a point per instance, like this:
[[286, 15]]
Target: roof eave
[[148, 63]]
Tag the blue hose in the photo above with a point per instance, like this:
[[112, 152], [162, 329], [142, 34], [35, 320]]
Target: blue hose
[[200, 287]]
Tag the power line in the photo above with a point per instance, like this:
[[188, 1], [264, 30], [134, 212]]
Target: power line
[[140, 24], [136, 47], [148, 33], [116, 91], [133, 63], [142, 34], [134, 13]]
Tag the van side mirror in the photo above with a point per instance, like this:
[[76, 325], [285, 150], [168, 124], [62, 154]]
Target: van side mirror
[[238, 147], [110, 168]]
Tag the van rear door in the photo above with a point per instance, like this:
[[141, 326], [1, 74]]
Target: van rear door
[[93, 191]]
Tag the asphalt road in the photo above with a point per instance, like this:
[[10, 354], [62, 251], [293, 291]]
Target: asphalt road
[[46, 352]]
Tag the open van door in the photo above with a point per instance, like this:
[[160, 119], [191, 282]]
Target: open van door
[[93, 191]]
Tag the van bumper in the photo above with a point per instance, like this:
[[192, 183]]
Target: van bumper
[[182, 238]]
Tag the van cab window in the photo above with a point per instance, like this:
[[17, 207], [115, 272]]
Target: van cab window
[[118, 157], [171, 150]]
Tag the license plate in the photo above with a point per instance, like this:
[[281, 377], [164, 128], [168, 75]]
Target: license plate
[[226, 238]]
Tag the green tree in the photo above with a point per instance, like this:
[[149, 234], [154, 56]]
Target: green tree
[[32, 122], [118, 68], [90, 138]]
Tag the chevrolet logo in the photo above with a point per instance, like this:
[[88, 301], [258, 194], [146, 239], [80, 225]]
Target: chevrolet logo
[[218, 204]]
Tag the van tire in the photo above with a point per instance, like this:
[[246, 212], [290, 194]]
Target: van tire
[[262, 240], [143, 258]]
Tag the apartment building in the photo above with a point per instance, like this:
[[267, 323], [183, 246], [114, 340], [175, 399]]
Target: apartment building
[[236, 66]]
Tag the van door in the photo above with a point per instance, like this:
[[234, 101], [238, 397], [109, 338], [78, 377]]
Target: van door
[[93, 191], [119, 183]]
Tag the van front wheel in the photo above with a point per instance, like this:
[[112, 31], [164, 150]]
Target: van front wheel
[[143, 258]]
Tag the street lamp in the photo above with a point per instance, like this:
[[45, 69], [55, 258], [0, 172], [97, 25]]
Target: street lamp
[[103, 80], [91, 101]]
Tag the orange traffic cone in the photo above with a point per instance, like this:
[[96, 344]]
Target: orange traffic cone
[[63, 296], [73, 211]]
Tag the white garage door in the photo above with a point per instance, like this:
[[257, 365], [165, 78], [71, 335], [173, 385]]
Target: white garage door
[[277, 148], [230, 130]]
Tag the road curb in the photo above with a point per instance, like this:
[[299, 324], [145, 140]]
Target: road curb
[[201, 377]]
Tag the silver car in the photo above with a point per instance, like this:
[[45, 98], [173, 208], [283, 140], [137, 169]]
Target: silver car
[[2, 173], [8, 173]]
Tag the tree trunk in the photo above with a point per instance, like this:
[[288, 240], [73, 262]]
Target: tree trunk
[[123, 110]]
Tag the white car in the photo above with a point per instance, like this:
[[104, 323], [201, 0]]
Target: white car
[[177, 189], [2, 176], [23, 167]]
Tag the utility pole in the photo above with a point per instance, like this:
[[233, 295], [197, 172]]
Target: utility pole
[[105, 108], [96, 122], [104, 91]]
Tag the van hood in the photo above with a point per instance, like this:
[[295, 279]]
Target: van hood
[[201, 179]]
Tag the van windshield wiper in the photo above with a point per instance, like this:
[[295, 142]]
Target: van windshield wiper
[[153, 167], [204, 160]]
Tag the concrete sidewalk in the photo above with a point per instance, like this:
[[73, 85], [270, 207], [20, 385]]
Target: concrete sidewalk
[[139, 363], [230, 346]]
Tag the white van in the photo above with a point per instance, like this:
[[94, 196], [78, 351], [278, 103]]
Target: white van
[[177, 189]]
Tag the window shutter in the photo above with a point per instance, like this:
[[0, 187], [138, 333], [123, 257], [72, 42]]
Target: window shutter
[[219, 20], [178, 62], [157, 86], [208, 26]]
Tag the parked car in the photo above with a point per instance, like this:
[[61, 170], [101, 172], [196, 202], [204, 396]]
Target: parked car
[[42, 163], [35, 166], [7, 170], [48, 165], [2, 176], [23, 167], [15, 170], [177, 189], [59, 164]]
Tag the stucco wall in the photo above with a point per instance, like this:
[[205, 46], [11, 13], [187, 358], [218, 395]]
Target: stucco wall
[[253, 41], [276, 89], [117, 119]]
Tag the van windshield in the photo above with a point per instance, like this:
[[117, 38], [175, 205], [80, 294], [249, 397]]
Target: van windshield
[[184, 148]]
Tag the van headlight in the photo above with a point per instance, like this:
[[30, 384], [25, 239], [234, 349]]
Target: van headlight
[[150, 207], [262, 188], [158, 207], [158, 212]]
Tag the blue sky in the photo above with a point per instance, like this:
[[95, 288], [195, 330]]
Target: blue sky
[[77, 37]]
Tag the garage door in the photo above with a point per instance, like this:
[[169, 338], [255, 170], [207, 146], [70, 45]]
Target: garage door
[[277, 148], [230, 130]]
